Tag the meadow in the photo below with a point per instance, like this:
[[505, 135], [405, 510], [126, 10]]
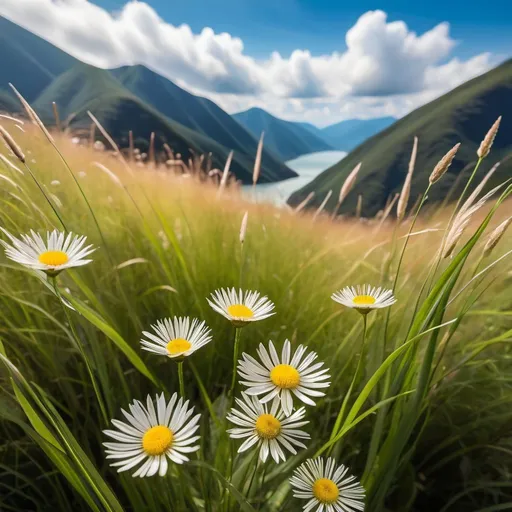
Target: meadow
[[419, 412]]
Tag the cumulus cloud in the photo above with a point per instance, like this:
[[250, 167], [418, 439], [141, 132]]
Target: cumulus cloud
[[386, 69]]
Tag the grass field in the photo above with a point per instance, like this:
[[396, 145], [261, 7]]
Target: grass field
[[427, 425]]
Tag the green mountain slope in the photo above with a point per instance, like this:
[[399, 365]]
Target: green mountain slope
[[286, 139], [85, 88], [199, 114], [347, 135], [27, 61], [463, 115], [43, 74]]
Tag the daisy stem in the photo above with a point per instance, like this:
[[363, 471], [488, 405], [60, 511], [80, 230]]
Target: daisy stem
[[180, 376], [238, 332], [344, 405], [82, 351]]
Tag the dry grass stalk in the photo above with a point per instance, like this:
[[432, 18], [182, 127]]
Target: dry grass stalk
[[486, 144], [13, 146], [130, 145], [109, 173], [169, 151], [443, 164], [385, 213], [56, 116], [110, 140], [464, 216], [92, 134], [19, 121], [225, 173], [322, 206], [303, 204], [257, 161], [243, 227], [496, 236], [152, 148], [10, 164], [32, 114], [406, 189], [359, 207], [347, 186]]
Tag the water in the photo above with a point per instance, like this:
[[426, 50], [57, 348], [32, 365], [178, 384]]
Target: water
[[307, 167]]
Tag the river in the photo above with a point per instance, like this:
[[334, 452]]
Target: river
[[307, 167]]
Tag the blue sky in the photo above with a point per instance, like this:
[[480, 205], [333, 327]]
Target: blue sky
[[320, 25], [318, 61]]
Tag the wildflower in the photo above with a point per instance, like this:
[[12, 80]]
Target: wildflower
[[57, 254], [327, 486], [153, 435], [241, 307], [364, 298], [277, 378], [270, 430], [176, 337]]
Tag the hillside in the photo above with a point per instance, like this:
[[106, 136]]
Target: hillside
[[44, 74], [28, 60], [462, 115], [348, 134], [286, 139], [84, 88]]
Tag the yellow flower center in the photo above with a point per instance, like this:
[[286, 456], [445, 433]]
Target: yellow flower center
[[364, 300], [178, 346], [325, 491], [267, 426], [240, 311], [53, 258], [285, 376], [157, 440]]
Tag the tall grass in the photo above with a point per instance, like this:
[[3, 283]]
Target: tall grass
[[426, 425]]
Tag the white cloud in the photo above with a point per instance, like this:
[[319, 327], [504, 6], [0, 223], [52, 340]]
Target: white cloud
[[386, 69]]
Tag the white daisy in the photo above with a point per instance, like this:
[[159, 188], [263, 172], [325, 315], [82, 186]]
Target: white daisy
[[364, 298], [60, 251], [241, 307], [327, 487], [153, 435], [268, 429], [176, 337], [279, 378]]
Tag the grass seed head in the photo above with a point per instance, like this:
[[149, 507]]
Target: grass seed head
[[12, 144], [443, 164], [406, 189], [486, 144], [496, 236]]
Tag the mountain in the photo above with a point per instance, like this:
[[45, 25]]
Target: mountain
[[462, 115], [286, 139], [128, 98], [347, 135], [85, 87], [29, 60]]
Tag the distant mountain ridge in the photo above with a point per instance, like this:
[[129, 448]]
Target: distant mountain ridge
[[348, 134], [286, 139], [462, 115], [128, 98]]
